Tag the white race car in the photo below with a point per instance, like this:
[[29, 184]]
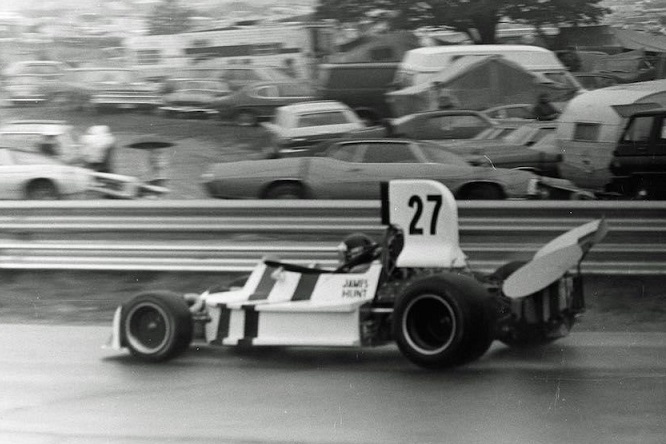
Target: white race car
[[414, 288]]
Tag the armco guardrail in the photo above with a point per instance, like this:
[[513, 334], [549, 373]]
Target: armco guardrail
[[233, 235]]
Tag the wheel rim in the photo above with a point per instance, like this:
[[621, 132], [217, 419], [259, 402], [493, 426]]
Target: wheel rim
[[429, 324], [147, 328]]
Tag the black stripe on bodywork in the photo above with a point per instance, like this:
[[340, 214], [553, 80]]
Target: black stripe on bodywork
[[265, 285], [385, 214], [251, 325], [223, 324], [306, 284]]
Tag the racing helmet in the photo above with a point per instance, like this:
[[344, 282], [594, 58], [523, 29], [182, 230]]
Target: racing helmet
[[353, 247]]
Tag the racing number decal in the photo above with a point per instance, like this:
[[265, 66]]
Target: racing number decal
[[417, 203]]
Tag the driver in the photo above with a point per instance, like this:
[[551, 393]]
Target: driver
[[355, 253]]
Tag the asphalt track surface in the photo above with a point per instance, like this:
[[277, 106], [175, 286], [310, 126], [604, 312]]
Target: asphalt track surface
[[58, 386]]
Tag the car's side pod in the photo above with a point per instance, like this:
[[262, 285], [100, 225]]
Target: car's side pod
[[426, 213]]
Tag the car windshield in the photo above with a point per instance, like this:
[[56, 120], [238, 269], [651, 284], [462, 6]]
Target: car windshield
[[28, 158], [494, 133], [201, 84], [322, 118], [437, 154], [273, 74]]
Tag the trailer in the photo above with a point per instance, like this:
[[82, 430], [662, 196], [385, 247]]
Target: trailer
[[296, 47]]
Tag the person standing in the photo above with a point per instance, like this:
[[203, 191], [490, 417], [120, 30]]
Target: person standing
[[99, 147], [544, 110]]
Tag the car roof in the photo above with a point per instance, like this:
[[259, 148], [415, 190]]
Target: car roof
[[279, 82], [100, 68], [652, 112], [319, 105]]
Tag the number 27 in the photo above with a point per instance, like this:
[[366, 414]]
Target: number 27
[[416, 202]]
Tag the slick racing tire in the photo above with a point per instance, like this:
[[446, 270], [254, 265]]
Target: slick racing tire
[[443, 321], [157, 326]]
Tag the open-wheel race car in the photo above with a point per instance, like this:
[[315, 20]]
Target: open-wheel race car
[[413, 287]]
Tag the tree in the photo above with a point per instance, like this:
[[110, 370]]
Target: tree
[[169, 17], [477, 18]]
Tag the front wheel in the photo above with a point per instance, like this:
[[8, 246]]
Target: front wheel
[[443, 322], [42, 190], [157, 326], [285, 191]]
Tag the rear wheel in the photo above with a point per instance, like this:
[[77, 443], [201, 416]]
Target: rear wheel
[[157, 326], [245, 118], [482, 191], [443, 322], [285, 191], [42, 190]]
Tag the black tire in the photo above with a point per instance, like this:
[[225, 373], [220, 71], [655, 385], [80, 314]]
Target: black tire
[[443, 321], [42, 190], [156, 326], [482, 191], [285, 191], [245, 117]]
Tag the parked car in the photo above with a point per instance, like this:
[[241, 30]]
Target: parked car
[[25, 175], [106, 88], [638, 165], [302, 125], [531, 146], [443, 124], [595, 80], [31, 81], [354, 169], [22, 138], [192, 96], [238, 76], [258, 101], [26, 135], [512, 111], [361, 86]]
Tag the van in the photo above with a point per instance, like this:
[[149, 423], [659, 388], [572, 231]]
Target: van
[[361, 86], [591, 124], [421, 64]]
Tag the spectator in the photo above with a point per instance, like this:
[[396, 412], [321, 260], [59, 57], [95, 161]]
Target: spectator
[[544, 110], [99, 146]]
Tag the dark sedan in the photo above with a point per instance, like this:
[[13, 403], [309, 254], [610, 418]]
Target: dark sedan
[[258, 101], [192, 96], [354, 169], [531, 146], [446, 124]]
